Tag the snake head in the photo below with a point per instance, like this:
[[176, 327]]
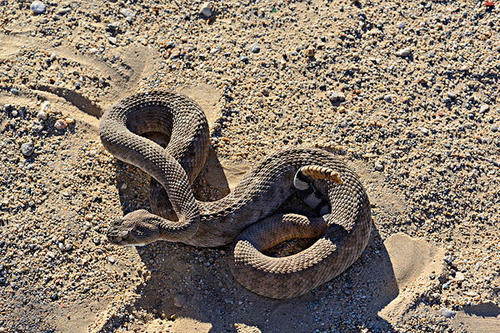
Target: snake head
[[135, 229]]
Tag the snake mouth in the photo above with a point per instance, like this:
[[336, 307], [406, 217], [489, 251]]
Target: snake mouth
[[116, 235], [124, 240], [115, 239]]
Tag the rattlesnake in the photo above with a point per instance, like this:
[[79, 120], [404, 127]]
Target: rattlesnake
[[245, 216]]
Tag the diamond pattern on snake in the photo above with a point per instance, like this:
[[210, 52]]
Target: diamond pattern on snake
[[247, 217]]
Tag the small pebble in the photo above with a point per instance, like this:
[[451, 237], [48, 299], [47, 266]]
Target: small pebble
[[37, 7], [27, 149], [206, 9], [310, 52], [379, 167], [459, 276], [42, 115], [448, 313], [37, 127], [336, 96], [45, 106], [404, 52], [484, 108], [63, 11], [60, 124], [255, 48], [111, 259], [127, 12]]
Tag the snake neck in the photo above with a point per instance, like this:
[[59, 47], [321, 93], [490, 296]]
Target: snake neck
[[174, 231], [124, 141]]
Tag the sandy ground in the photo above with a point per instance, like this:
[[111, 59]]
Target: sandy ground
[[417, 119]]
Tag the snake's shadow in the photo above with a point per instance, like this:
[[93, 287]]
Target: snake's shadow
[[195, 283], [190, 283]]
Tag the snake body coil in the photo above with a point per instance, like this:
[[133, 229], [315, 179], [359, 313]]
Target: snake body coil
[[245, 216]]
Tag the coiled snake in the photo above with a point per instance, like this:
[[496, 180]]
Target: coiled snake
[[245, 216]]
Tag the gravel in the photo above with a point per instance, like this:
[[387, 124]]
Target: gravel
[[436, 142]]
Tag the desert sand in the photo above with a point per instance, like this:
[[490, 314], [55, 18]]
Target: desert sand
[[405, 92]]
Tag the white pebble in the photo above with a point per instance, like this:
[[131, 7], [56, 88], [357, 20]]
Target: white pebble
[[127, 12], [404, 52], [37, 7], [448, 313], [45, 106], [42, 115], [27, 149], [484, 108]]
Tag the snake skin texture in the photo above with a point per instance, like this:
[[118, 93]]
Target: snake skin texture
[[247, 216]]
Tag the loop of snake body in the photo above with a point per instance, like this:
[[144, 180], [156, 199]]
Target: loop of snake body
[[247, 216]]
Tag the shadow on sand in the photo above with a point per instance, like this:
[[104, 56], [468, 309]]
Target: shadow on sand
[[195, 283]]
